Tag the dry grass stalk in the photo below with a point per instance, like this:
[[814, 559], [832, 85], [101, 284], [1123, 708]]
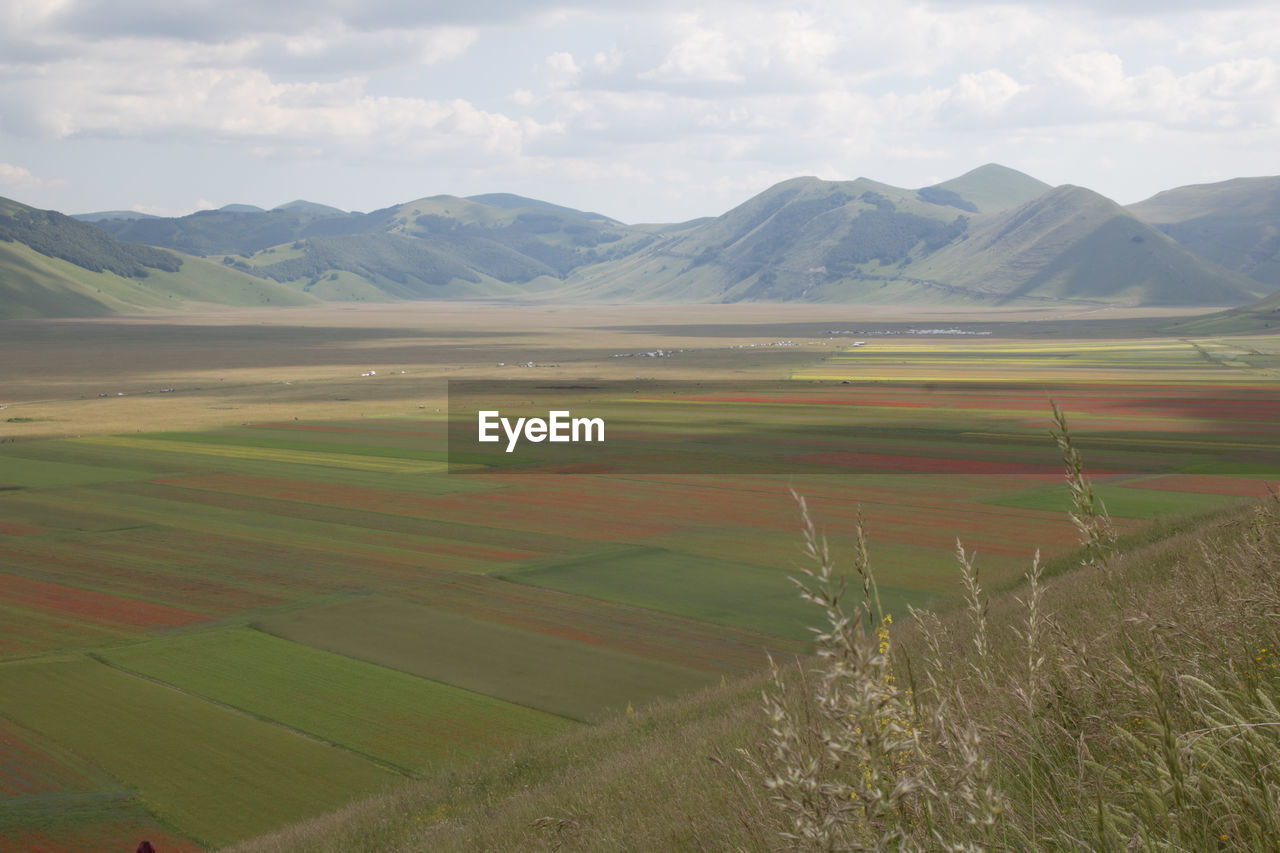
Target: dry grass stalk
[[1159, 733]]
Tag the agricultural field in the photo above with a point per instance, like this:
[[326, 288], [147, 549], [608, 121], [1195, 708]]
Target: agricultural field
[[212, 774], [563, 676], [272, 590], [346, 702]]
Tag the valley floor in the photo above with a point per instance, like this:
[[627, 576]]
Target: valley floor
[[245, 529]]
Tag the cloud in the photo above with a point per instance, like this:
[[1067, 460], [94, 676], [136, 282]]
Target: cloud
[[10, 173], [693, 98], [18, 178]]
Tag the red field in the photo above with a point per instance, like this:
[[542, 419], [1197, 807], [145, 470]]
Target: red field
[[95, 607], [121, 835], [11, 528], [25, 769]]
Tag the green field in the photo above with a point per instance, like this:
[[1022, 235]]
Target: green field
[[575, 680], [1121, 502], [696, 586], [213, 774], [355, 705]]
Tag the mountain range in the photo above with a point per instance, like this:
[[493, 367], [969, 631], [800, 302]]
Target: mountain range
[[993, 236]]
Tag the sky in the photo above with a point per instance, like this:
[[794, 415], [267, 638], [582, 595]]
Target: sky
[[645, 112]]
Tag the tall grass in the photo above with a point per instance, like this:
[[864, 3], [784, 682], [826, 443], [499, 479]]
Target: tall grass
[[1142, 718]]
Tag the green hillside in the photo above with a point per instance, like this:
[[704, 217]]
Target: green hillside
[[231, 231], [438, 247], [103, 215], [793, 241], [1072, 243], [55, 266], [310, 208], [1232, 223], [813, 240], [991, 235], [992, 188], [58, 236]]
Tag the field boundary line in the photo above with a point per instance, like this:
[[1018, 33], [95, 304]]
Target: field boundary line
[[398, 769], [265, 454], [259, 628]]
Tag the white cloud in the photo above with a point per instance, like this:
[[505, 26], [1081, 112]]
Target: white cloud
[[10, 173], [694, 99], [15, 178], [985, 93], [560, 70]]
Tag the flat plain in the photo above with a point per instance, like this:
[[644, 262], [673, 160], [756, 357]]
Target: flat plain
[[218, 522]]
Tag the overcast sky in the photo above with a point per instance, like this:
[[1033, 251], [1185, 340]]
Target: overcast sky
[[647, 112]]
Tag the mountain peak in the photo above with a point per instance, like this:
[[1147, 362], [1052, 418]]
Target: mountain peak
[[993, 187], [310, 208]]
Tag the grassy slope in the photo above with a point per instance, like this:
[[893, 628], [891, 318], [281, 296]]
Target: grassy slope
[[202, 281], [1072, 243], [763, 248], [33, 285], [813, 240], [1234, 223], [994, 187], [1258, 317], [430, 248], [655, 782]]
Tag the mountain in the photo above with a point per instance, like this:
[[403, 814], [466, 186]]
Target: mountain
[[990, 188], [213, 232], [53, 234], [802, 239], [104, 215], [991, 235], [814, 240], [1234, 223], [442, 246], [508, 201], [309, 208], [1072, 243], [52, 265]]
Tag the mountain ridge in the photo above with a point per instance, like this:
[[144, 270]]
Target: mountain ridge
[[992, 234], [1234, 223]]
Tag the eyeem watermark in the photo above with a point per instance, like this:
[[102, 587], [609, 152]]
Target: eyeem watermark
[[560, 426]]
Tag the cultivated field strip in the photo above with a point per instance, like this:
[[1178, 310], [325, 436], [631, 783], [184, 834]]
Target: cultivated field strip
[[356, 705], [51, 799], [211, 773], [567, 677], [689, 643], [273, 454]]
